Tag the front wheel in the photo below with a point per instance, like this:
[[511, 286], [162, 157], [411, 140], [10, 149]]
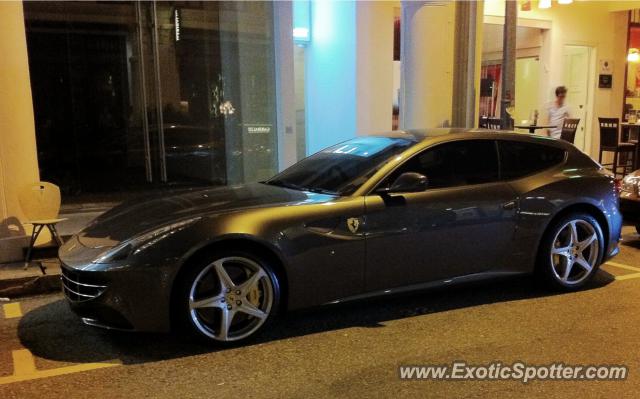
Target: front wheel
[[228, 298], [571, 251]]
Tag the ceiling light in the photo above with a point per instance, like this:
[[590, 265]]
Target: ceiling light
[[565, 1], [634, 55], [301, 33], [544, 4]]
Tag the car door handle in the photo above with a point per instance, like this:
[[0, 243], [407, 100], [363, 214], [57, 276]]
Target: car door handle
[[509, 205]]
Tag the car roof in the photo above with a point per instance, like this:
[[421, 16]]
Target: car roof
[[431, 136]]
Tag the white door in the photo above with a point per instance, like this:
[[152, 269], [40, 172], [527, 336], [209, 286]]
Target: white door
[[577, 60]]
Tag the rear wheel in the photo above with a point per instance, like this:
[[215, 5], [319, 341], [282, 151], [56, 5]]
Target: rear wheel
[[638, 228], [228, 298], [571, 251]]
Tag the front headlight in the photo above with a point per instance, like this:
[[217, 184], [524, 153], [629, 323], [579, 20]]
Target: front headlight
[[143, 241]]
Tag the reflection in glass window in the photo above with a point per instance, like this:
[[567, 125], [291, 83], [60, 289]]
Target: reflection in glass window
[[131, 95], [342, 168]]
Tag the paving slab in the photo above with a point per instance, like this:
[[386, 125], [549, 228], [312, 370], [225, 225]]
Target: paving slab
[[18, 281]]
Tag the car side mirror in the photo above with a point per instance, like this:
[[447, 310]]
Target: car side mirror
[[409, 182]]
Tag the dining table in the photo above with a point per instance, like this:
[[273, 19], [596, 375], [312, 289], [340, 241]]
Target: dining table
[[532, 128]]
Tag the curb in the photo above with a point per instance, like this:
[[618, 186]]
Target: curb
[[30, 286]]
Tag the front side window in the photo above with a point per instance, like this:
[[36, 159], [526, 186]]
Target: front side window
[[458, 163], [343, 168], [519, 159]]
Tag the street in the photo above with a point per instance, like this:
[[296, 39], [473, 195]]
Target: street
[[348, 351]]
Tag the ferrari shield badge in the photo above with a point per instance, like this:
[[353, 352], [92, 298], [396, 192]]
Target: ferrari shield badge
[[353, 224]]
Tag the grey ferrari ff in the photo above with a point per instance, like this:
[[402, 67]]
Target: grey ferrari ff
[[375, 215]]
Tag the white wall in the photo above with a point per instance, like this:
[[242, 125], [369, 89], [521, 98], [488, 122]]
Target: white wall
[[528, 42], [527, 88]]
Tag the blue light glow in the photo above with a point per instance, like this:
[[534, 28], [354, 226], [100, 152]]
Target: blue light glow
[[301, 21], [330, 74]]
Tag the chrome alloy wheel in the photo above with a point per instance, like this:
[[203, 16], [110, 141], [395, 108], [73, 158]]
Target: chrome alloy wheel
[[230, 299], [575, 252]]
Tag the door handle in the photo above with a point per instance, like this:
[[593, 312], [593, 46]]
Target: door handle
[[507, 206]]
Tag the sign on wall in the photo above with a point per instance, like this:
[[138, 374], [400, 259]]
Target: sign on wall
[[257, 128], [605, 78]]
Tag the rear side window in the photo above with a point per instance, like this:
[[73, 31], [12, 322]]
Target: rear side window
[[518, 159]]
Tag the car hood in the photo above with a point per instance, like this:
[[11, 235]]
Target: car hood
[[134, 217]]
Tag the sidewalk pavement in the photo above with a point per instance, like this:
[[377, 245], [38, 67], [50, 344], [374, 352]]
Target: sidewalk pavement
[[16, 281]]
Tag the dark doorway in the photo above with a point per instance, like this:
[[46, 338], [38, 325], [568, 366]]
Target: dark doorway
[[80, 90]]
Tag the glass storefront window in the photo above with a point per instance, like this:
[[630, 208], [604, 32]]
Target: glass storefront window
[[132, 95]]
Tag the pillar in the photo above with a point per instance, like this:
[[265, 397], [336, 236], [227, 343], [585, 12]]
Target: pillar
[[330, 74], [426, 85], [18, 157], [508, 62], [374, 66], [285, 84], [464, 81]]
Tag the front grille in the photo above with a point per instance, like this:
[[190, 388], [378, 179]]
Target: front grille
[[78, 287]]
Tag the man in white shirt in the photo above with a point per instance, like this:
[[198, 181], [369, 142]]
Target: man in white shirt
[[558, 111]]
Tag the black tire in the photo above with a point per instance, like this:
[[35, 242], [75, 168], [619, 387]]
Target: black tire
[[638, 228], [182, 298], [547, 266]]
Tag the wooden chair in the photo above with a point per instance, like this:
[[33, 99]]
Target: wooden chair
[[494, 124], [40, 203], [610, 142], [569, 128]]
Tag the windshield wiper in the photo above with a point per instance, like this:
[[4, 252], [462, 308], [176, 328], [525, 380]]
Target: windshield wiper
[[284, 184], [293, 186], [319, 190]]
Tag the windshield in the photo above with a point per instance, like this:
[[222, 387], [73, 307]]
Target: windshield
[[343, 168]]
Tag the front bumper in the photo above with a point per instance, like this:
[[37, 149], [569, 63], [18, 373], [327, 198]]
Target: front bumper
[[123, 297]]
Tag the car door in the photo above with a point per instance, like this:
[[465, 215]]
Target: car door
[[461, 224]]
